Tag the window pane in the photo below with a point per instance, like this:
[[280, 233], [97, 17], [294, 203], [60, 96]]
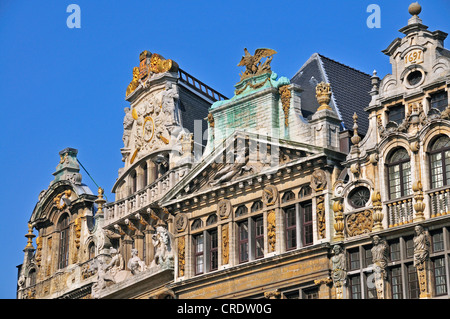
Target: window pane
[[291, 228], [437, 175], [243, 241], [259, 237], [406, 169], [396, 283], [394, 182], [440, 281], [394, 248], [355, 287], [354, 259], [413, 282], [438, 241]]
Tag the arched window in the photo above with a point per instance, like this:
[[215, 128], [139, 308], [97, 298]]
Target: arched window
[[241, 211], [63, 228], [211, 220], [440, 162], [256, 206], [287, 197], [133, 182], [305, 191], [197, 224], [144, 175], [399, 174], [32, 277], [91, 250]]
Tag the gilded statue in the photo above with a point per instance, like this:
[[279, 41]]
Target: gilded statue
[[253, 64], [134, 82]]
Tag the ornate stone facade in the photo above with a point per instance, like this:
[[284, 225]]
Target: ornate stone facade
[[281, 202]]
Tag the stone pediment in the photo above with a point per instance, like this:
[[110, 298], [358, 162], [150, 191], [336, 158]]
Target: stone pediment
[[60, 196], [241, 156]]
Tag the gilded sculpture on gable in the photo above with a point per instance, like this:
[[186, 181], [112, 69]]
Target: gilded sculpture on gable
[[253, 64], [134, 82]]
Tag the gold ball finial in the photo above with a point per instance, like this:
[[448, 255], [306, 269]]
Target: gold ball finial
[[414, 9]]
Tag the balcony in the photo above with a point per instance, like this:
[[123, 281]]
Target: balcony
[[400, 211], [439, 201]]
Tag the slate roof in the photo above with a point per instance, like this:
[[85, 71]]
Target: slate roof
[[350, 90]]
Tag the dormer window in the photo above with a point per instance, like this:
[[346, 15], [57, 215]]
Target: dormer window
[[439, 100], [396, 113]]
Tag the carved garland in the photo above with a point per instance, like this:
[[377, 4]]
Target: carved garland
[[225, 245], [271, 216], [320, 209], [181, 256], [285, 96]]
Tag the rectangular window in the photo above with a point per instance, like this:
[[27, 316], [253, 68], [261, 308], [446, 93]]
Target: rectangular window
[[440, 282], [367, 256], [355, 287], [437, 240], [64, 248], [213, 250], [395, 190], [291, 228], [259, 237], [307, 227], [396, 283], [413, 282], [439, 100], [310, 293], [371, 291], [394, 250], [353, 259], [243, 241], [437, 175], [409, 247], [198, 254], [397, 113]]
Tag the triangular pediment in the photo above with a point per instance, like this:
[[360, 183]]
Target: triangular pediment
[[241, 156]]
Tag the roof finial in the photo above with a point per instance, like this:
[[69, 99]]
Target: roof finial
[[355, 138], [30, 237], [414, 9]]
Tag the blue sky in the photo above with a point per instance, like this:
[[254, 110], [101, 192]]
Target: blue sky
[[63, 87]]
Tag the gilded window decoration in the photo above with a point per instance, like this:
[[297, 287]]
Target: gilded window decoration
[[181, 256], [359, 223], [225, 245], [320, 211], [271, 217]]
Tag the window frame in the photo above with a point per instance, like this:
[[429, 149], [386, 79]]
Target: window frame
[[431, 153], [399, 163], [64, 241]]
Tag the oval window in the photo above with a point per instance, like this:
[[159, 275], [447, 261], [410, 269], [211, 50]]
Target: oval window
[[359, 197]]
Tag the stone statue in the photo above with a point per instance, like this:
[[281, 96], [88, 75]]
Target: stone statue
[[102, 279], [163, 257], [380, 261], [135, 264], [116, 267], [127, 124], [168, 101], [421, 246], [338, 268], [380, 254], [239, 166]]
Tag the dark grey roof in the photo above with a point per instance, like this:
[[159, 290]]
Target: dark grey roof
[[350, 90]]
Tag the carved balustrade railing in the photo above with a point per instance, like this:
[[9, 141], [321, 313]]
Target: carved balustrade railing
[[400, 211], [131, 204], [439, 201]]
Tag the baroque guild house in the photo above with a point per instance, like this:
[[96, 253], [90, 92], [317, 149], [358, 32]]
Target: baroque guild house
[[332, 185]]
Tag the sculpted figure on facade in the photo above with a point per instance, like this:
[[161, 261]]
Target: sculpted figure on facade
[[127, 124], [116, 267], [135, 264], [102, 279], [338, 271], [380, 261], [162, 242], [237, 166], [421, 259]]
